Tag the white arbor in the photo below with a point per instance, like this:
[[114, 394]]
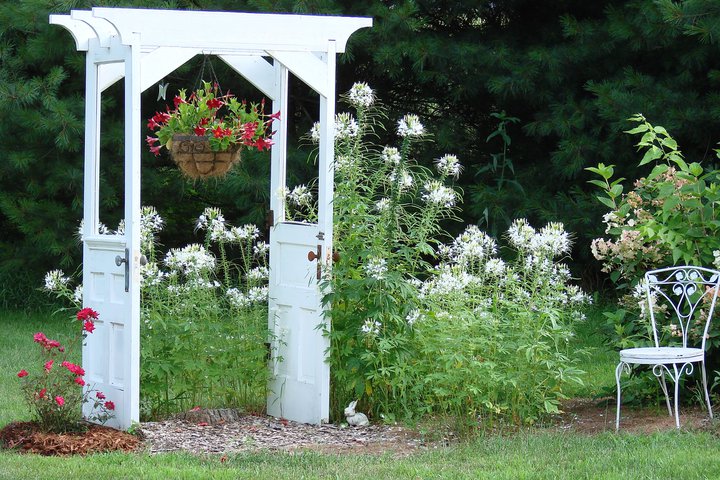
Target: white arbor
[[142, 46]]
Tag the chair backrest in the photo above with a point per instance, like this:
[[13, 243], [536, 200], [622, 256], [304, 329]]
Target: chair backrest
[[685, 298]]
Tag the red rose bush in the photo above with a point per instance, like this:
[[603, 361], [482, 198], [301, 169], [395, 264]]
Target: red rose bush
[[57, 391]]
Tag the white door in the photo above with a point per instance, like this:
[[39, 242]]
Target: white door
[[107, 350], [300, 388]]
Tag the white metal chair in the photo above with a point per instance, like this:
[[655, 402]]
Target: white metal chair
[[682, 300]]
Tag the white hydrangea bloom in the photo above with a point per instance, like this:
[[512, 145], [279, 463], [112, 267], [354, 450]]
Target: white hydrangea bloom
[[448, 165], [55, 280], [410, 126], [192, 260], [391, 155], [361, 95], [375, 268], [438, 194]]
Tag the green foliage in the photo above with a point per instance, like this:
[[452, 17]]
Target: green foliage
[[471, 338]]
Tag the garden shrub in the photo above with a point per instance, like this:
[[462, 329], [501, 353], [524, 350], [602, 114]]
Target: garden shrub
[[667, 218], [471, 336], [203, 317]]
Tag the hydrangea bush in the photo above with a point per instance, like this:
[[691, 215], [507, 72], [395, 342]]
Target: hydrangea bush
[[204, 316], [669, 217]]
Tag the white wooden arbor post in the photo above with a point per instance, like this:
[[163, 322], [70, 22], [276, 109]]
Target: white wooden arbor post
[[142, 46]]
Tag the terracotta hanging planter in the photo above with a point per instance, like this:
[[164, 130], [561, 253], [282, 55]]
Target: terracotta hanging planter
[[197, 160]]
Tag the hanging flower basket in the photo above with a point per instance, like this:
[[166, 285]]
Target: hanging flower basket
[[192, 153], [206, 130]]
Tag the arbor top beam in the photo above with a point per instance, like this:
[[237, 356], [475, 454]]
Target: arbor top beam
[[212, 32]]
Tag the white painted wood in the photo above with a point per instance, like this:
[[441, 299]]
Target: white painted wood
[[257, 71], [298, 390], [104, 30], [106, 350], [308, 68], [154, 66], [80, 31], [304, 44], [231, 31], [278, 154]]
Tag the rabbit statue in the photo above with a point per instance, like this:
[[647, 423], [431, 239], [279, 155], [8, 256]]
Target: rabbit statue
[[355, 419]]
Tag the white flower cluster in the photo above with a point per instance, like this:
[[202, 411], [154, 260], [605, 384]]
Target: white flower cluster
[[403, 178], [151, 223], [151, 275], [78, 294], [345, 126], [361, 95], [391, 155], [192, 260], [375, 268], [470, 246], [495, 267], [413, 317], [254, 296], [261, 249], [258, 274], [244, 233], [300, 196], [716, 257], [382, 204], [410, 126], [315, 132], [448, 166], [438, 194], [449, 281], [55, 280], [552, 240], [371, 327], [213, 220]]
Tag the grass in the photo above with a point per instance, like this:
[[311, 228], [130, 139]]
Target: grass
[[534, 453]]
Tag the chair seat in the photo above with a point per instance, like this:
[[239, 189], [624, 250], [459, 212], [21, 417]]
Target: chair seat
[[660, 355]]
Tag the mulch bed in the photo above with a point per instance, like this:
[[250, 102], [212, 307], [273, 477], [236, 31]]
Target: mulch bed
[[25, 437]]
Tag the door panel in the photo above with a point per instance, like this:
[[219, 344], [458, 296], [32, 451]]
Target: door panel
[[300, 388], [106, 351]]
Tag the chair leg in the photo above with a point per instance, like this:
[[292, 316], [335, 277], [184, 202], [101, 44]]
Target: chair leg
[[707, 395], [618, 372], [663, 385], [677, 388]]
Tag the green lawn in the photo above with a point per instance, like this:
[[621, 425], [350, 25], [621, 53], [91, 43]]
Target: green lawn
[[529, 454]]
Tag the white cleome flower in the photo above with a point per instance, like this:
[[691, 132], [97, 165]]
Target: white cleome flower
[[192, 260], [361, 95], [382, 204], [410, 126], [449, 166], [258, 274], [520, 233], [78, 294], [404, 180], [495, 267], [473, 244], [438, 194], [375, 268], [261, 249], [413, 317], [244, 233], [300, 196], [552, 239], [345, 126], [315, 132], [55, 280], [371, 327], [391, 155]]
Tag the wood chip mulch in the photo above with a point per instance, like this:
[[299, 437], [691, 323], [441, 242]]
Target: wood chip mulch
[[25, 437]]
